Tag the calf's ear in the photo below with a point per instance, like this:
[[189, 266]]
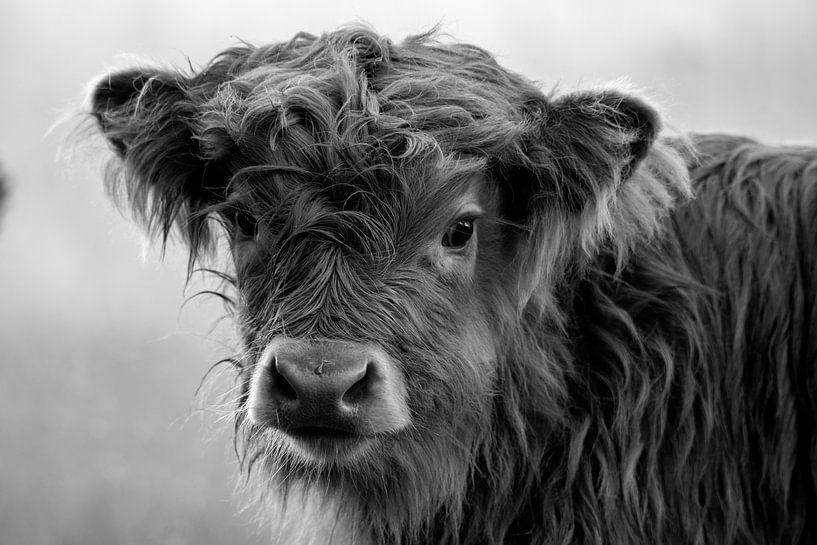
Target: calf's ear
[[601, 176], [148, 117], [597, 139], [598, 163]]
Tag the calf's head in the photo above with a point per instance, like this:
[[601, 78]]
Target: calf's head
[[404, 222]]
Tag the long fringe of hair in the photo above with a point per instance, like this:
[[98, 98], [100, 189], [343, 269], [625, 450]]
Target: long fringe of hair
[[638, 393]]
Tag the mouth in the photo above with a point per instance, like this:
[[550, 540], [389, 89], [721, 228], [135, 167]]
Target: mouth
[[324, 445], [317, 432]]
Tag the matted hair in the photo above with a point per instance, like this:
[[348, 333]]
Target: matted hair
[[630, 321], [354, 100]]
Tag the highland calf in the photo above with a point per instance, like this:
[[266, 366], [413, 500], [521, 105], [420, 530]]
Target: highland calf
[[473, 313]]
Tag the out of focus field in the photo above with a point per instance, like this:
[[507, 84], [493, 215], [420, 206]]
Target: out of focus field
[[99, 443]]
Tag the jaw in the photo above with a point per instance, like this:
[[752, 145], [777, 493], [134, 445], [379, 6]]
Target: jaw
[[305, 514], [401, 481]]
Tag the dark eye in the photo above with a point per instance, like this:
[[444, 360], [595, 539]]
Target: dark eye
[[458, 234], [246, 224]]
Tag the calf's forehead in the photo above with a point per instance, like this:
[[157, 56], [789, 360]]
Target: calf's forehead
[[415, 195]]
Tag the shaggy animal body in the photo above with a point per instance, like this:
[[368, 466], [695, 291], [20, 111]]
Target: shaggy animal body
[[473, 313]]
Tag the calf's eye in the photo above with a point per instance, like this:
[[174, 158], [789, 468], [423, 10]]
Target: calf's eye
[[246, 224], [458, 234]]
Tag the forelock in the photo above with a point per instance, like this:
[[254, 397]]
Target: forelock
[[353, 104]]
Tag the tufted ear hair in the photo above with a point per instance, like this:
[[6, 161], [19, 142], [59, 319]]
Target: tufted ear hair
[[597, 139], [601, 176], [148, 117]]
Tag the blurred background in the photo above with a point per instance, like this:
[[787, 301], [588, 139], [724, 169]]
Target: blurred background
[[101, 438]]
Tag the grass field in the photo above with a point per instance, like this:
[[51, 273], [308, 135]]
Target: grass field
[[99, 440]]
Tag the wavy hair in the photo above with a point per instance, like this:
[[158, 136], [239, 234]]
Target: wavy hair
[[654, 378]]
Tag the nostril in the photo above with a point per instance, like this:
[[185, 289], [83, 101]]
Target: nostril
[[360, 389], [281, 388]]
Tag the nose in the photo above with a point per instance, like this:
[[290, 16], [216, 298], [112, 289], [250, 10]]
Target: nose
[[316, 382], [326, 387]]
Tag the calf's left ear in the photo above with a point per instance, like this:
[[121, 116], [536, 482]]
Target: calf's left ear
[[600, 175], [599, 166], [594, 142]]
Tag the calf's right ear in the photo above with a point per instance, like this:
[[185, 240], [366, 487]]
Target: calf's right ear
[[148, 117]]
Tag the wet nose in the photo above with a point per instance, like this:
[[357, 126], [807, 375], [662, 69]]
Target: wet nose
[[322, 381], [327, 386]]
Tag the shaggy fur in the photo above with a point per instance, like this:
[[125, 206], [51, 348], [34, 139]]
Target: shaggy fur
[[608, 361]]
